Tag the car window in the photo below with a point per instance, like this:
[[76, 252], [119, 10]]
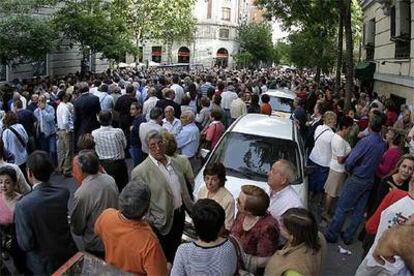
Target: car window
[[251, 156], [281, 104]]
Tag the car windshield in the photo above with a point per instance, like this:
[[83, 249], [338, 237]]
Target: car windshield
[[250, 156], [281, 104]]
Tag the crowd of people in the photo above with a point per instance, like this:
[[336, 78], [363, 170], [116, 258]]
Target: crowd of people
[[87, 127]]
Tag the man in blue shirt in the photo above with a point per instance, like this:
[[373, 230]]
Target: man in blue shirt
[[361, 164], [189, 136]]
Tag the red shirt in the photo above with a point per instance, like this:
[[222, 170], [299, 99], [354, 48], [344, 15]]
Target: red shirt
[[262, 239], [214, 132], [266, 108], [372, 224]]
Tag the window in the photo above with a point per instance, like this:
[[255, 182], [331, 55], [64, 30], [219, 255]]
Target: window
[[141, 54], [402, 49], [369, 33], [252, 156], [156, 54], [401, 28], [3, 72], [369, 39], [224, 33], [392, 21], [40, 67], [209, 8], [225, 14], [402, 19]]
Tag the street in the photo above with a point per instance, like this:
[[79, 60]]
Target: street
[[335, 264]]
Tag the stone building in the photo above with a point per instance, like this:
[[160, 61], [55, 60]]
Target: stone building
[[57, 63], [216, 38], [388, 40]]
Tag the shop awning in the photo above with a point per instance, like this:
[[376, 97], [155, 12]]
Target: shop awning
[[365, 70]]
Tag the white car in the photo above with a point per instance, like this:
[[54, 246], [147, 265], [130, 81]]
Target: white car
[[249, 148], [281, 100]]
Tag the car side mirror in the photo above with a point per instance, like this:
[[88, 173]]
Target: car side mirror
[[204, 153]]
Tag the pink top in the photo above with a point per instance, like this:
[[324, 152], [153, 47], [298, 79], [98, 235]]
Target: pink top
[[214, 132], [388, 161], [262, 239], [6, 212]]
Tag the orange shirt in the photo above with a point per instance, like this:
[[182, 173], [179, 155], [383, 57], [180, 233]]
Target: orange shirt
[[130, 245], [266, 108]]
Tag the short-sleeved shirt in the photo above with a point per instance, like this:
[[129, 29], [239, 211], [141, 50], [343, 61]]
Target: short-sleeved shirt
[[266, 108], [321, 153], [214, 132], [340, 148], [130, 245]]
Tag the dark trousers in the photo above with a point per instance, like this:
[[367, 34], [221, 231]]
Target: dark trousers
[[118, 170], [172, 240]]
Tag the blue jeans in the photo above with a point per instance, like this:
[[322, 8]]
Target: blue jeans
[[355, 194], [317, 178], [48, 144], [136, 154]]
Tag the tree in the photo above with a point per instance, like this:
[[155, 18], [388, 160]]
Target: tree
[[312, 20], [256, 39], [349, 59], [168, 21], [243, 59], [305, 51], [339, 50], [91, 24], [282, 51], [24, 35]]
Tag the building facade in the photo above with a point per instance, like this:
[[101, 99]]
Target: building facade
[[388, 39], [216, 38], [60, 62]]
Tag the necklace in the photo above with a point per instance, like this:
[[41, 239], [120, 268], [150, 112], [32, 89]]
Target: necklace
[[249, 222]]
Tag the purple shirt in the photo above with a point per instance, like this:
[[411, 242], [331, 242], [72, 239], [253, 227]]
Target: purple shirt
[[365, 157]]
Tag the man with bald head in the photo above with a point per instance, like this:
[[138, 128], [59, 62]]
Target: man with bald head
[[87, 107], [170, 123], [282, 196], [189, 136]]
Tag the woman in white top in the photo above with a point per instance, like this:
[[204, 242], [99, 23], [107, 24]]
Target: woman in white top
[[340, 150], [214, 178], [321, 154], [15, 139]]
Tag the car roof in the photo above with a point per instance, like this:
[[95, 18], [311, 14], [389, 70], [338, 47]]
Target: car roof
[[264, 125], [281, 93]]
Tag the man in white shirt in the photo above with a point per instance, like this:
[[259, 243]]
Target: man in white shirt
[[179, 91], [227, 97], [282, 196], [238, 107], [64, 115], [321, 155], [150, 103], [170, 123]]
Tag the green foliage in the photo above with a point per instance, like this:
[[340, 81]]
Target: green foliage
[[282, 53], [243, 59], [307, 50], [356, 21], [91, 24], [166, 20], [312, 25], [256, 39], [24, 36]]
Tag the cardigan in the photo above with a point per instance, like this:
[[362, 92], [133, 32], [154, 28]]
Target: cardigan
[[298, 258]]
